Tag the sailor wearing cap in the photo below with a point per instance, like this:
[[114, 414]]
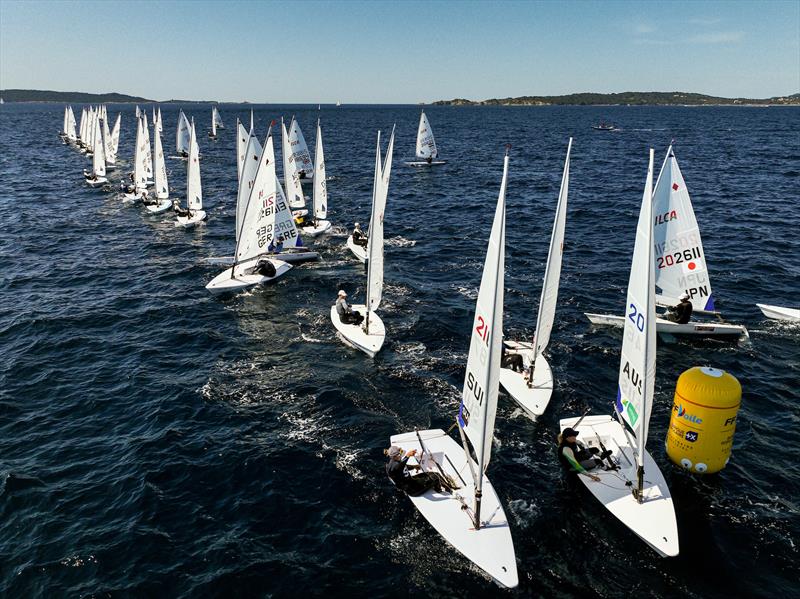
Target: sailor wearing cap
[[346, 314], [682, 312], [575, 457]]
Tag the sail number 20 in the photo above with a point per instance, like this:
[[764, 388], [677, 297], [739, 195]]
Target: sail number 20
[[636, 317]]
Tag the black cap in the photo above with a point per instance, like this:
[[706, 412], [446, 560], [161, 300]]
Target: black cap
[[569, 432]]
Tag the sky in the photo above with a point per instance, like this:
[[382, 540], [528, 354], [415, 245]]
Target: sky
[[399, 52]]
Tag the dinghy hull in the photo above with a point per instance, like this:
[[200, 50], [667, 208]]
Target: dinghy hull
[[315, 231], [424, 163], [532, 399], [198, 218], [780, 313], [491, 547], [243, 278], [354, 334], [162, 206], [359, 251], [693, 329], [653, 520]]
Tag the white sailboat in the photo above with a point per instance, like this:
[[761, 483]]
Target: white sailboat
[[65, 125], [635, 490], [472, 519], [262, 226], [680, 261], [182, 136], [148, 153], [533, 388], [370, 336], [72, 136], [82, 128], [97, 177], [140, 181], [427, 152], [320, 195], [161, 203], [160, 122], [194, 213], [216, 119], [780, 312]]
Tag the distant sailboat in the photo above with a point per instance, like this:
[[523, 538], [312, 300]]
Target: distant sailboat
[[370, 336], [97, 177], [213, 133], [634, 489], [194, 213], [161, 203], [216, 118], [300, 157], [471, 518], [320, 195], [182, 136], [294, 191], [140, 180], [113, 144], [427, 152]]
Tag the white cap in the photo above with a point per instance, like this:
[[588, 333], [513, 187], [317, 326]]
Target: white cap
[[342, 293], [356, 224], [684, 296]]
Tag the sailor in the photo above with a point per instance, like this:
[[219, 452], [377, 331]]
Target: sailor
[[575, 457], [398, 470], [346, 314], [429, 159], [511, 360], [682, 312], [265, 268], [176, 206], [358, 236]]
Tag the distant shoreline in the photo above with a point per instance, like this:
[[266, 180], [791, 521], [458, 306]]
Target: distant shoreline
[[627, 99]]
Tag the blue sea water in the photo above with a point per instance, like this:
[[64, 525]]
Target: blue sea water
[[158, 441]]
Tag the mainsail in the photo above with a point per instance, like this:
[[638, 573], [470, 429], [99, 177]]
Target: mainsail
[[251, 161], [479, 395], [162, 186], [300, 158], [194, 190], [182, 135], [552, 272], [148, 153], [426, 145], [216, 119], [679, 256], [98, 157], [637, 367], [241, 146], [294, 190], [320, 186], [139, 174], [375, 245]]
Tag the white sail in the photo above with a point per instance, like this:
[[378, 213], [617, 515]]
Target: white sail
[[552, 272], [251, 161], [375, 245], [294, 190], [71, 134], [637, 367], [160, 170], [160, 122], [148, 153], [82, 127], [139, 173], [257, 228], [107, 142], [479, 396], [426, 145], [138, 112], [216, 119], [300, 158], [252, 126], [98, 156], [155, 116], [182, 134], [65, 124], [194, 190], [293, 239], [680, 260], [241, 146], [114, 145], [213, 124], [320, 185]]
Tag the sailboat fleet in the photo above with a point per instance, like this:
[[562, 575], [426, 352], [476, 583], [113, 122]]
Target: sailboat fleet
[[270, 218]]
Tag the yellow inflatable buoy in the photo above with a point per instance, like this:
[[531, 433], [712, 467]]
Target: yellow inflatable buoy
[[700, 435]]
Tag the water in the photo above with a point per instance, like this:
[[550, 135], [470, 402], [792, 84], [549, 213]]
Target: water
[[156, 440]]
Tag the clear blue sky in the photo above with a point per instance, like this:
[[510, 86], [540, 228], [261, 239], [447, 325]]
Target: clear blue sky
[[383, 52]]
